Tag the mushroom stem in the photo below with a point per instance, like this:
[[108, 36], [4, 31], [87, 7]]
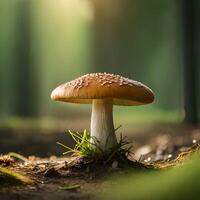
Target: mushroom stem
[[102, 128]]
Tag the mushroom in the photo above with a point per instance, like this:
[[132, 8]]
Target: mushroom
[[103, 90]]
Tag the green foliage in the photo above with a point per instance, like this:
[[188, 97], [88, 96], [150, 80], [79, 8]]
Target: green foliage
[[92, 151], [180, 183], [146, 115]]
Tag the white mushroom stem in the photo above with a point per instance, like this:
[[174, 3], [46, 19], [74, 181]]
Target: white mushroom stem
[[102, 128]]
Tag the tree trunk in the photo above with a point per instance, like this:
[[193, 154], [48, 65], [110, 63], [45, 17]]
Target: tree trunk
[[26, 103], [190, 62]]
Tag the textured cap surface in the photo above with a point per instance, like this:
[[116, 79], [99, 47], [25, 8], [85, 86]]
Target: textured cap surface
[[122, 90]]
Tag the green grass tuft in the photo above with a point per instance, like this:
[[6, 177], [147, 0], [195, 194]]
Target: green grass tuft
[[84, 147]]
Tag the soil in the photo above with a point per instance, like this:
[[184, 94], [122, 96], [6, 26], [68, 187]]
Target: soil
[[71, 178], [63, 178]]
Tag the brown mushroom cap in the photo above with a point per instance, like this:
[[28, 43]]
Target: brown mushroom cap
[[121, 90]]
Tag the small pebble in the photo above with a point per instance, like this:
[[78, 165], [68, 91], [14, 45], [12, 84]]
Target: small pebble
[[148, 159], [114, 164], [194, 141], [169, 156]]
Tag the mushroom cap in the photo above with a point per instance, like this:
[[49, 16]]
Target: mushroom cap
[[121, 90]]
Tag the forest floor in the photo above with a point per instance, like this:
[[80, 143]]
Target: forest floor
[[70, 178]]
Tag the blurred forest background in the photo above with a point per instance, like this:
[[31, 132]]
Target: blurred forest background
[[44, 43]]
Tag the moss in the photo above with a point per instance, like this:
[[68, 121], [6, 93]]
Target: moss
[[180, 183], [9, 177]]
